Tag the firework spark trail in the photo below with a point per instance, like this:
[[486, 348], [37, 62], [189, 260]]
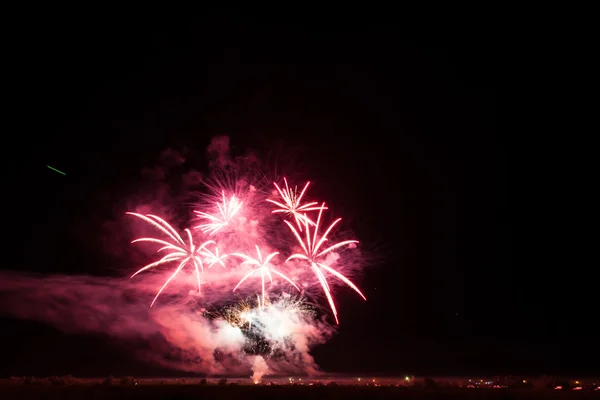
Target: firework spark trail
[[262, 268], [227, 211], [291, 204], [180, 252], [213, 258], [312, 247]]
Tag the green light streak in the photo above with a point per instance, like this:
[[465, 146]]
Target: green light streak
[[54, 169]]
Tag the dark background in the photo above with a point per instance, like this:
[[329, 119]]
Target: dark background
[[395, 124]]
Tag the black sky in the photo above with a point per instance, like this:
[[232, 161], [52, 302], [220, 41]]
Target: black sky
[[396, 126]]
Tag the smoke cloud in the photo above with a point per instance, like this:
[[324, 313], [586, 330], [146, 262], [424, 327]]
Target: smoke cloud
[[119, 308]]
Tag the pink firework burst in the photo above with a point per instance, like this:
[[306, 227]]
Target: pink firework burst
[[263, 268], [313, 253], [227, 210], [292, 204], [212, 258], [179, 251]]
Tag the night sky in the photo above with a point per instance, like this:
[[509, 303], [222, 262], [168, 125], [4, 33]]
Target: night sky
[[396, 127]]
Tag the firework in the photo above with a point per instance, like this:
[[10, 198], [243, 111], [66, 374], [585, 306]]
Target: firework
[[231, 193], [178, 250], [227, 210], [263, 268], [292, 204], [314, 252], [266, 325], [239, 314], [278, 320], [292, 306], [212, 258]]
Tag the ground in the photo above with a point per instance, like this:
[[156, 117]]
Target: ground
[[275, 388]]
